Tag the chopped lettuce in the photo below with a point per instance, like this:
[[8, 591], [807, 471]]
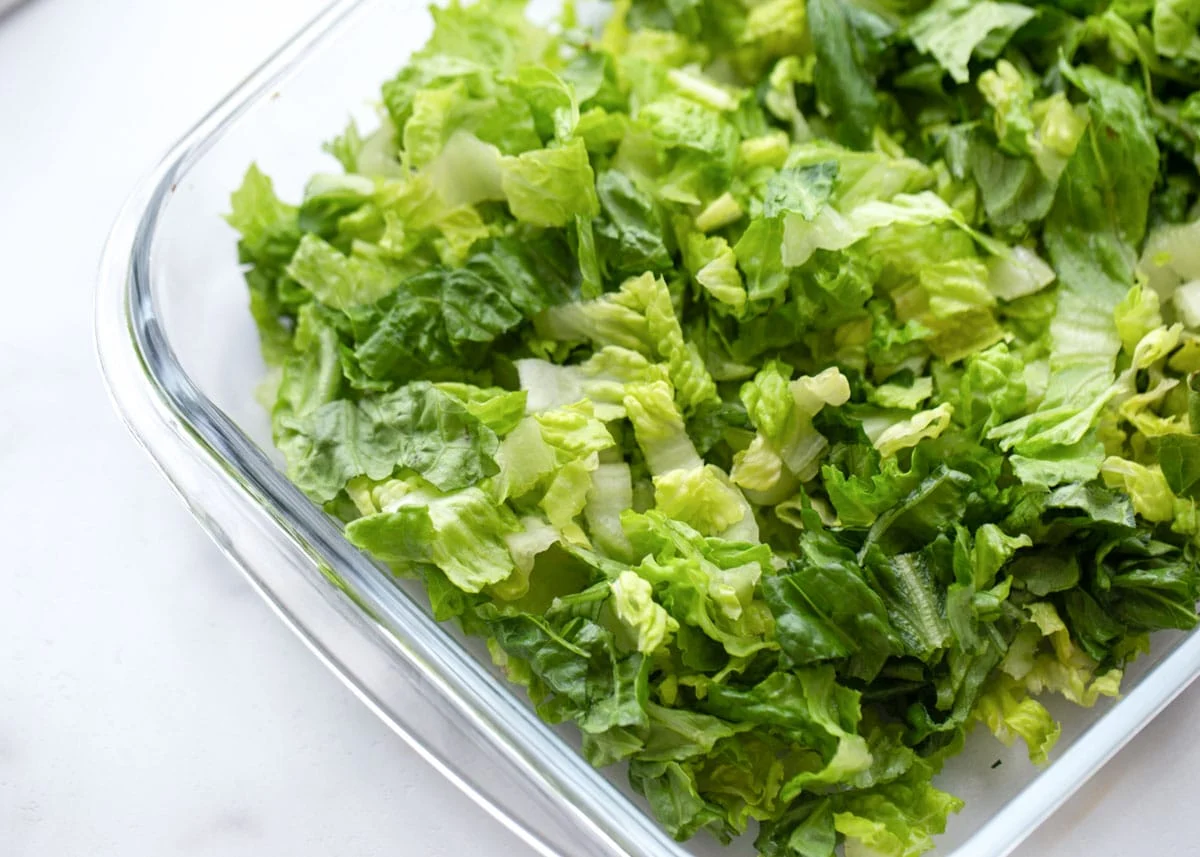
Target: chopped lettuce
[[782, 387]]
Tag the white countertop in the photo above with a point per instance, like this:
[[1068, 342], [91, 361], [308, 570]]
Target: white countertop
[[150, 704]]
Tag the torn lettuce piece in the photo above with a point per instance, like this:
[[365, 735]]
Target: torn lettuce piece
[[954, 30], [685, 488], [831, 230], [535, 537], [416, 426], [911, 431], [549, 187], [1044, 658], [702, 498], [610, 495], [601, 379], [825, 609], [640, 317], [787, 447], [705, 584], [462, 533], [714, 267], [634, 605], [1009, 713]]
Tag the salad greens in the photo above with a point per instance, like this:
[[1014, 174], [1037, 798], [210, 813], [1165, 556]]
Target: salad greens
[[782, 388]]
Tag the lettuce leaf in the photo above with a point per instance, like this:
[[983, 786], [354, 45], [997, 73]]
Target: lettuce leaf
[[461, 533], [952, 30], [417, 427]]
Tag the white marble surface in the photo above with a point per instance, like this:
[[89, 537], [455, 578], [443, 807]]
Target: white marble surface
[[149, 703]]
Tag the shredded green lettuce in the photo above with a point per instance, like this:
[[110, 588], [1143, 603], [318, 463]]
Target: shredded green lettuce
[[781, 387]]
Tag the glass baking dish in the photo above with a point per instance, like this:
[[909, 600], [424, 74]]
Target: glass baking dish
[[180, 355]]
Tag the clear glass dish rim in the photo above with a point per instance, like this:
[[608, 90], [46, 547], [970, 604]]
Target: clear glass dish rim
[[137, 361]]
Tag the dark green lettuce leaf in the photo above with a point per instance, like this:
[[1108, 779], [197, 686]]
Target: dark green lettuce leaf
[[825, 610], [909, 587], [931, 508], [1147, 585], [847, 40], [629, 232], [1013, 189], [446, 317], [1179, 457]]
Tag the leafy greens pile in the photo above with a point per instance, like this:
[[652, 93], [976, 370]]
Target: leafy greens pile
[[781, 387]]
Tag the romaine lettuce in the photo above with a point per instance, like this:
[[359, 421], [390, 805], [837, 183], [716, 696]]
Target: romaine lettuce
[[782, 387]]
